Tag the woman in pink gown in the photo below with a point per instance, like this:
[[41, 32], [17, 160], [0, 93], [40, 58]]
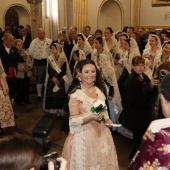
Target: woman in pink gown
[[89, 145]]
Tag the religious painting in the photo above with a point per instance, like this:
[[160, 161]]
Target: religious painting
[[160, 3]]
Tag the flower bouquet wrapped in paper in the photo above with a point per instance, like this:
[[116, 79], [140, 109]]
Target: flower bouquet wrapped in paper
[[98, 107]]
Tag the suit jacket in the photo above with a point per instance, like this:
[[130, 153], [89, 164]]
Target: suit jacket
[[27, 41], [10, 59]]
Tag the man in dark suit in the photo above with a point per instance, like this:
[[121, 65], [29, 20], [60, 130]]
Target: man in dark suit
[[26, 38], [10, 57], [68, 42]]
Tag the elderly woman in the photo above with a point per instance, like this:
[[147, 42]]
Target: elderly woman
[[138, 97], [23, 74]]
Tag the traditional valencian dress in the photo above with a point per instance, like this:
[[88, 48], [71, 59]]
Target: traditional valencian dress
[[154, 151], [89, 146], [55, 95], [7, 122]]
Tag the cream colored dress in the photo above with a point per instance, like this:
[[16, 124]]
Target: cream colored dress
[[89, 146], [7, 121]]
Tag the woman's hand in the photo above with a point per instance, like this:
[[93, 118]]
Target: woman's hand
[[110, 98], [155, 81], [55, 81], [63, 164], [99, 116], [92, 117], [108, 123]]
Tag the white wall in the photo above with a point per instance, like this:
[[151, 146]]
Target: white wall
[[6, 4], [110, 16], [153, 16], [94, 7]]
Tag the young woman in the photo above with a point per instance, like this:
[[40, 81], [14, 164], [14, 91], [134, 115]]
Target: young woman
[[101, 48], [82, 44], [78, 55], [109, 77], [89, 144], [163, 57], [58, 80], [152, 49], [110, 40]]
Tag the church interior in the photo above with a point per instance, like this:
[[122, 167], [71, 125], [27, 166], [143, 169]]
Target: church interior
[[54, 16]]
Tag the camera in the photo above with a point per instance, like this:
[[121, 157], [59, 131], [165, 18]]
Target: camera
[[63, 32], [51, 157], [161, 76]]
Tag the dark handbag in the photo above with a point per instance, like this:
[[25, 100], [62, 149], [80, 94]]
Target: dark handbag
[[123, 77], [121, 82]]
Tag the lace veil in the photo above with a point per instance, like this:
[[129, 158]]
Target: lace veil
[[158, 41], [87, 48], [108, 73]]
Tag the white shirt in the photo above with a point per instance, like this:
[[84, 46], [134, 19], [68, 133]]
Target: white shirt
[[40, 49]]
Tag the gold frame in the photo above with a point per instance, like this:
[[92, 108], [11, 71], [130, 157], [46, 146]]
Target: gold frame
[[157, 3]]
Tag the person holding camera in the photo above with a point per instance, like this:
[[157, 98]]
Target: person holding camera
[[162, 70], [23, 153], [136, 115], [154, 152]]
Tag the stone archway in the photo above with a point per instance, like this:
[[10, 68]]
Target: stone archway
[[17, 15], [110, 15]]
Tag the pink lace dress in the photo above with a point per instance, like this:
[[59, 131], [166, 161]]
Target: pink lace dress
[[89, 146]]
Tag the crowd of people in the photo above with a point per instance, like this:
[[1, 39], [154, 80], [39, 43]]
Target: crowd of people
[[121, 69]]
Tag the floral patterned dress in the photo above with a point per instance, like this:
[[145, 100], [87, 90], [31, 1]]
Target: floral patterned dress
[[89, 146], [154, 151], [7, 122]]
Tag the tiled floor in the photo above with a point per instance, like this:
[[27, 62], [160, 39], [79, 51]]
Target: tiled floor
[[29, 114]]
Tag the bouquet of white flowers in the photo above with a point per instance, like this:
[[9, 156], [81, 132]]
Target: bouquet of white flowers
[[98, 107]]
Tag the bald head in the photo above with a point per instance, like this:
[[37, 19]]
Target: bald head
[[73, 32], [41, 34]]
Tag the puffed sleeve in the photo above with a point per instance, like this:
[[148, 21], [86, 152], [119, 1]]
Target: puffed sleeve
[[76, 118]]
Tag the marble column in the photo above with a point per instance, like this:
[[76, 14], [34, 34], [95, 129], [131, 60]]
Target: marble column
[[36, 16]]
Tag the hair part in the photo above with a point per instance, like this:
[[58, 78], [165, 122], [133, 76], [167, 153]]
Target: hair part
[[81, 36]]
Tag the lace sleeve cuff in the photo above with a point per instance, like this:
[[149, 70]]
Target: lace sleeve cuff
[[76, 124]]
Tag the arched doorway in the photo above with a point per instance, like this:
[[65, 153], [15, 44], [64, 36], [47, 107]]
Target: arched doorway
[[17, 15], [110, 15]]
